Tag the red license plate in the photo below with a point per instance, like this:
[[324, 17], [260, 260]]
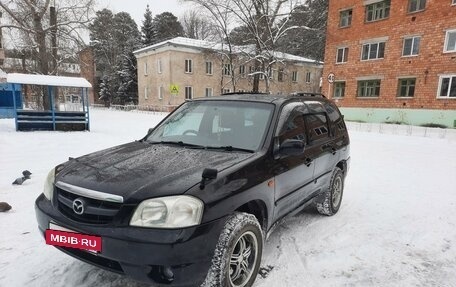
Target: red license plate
[[73, 240]]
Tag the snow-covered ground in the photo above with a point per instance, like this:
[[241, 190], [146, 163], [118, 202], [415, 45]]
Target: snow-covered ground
[[396, 226]]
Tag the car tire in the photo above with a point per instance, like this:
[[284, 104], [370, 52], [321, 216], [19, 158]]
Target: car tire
[[328, 203], [241, 236]]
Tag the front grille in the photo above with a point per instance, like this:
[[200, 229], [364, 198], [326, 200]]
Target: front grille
[[95, 211]]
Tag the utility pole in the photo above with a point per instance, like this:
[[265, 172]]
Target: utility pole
[[53, 22]]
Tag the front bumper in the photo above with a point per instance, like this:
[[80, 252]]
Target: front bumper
[[144, 254]]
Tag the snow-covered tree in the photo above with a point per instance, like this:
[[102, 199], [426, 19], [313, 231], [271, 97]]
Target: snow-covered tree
[[103, 41], [147, 28], [114, 37], [308, 41]]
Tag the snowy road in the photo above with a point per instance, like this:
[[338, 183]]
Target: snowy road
[[396, 226]]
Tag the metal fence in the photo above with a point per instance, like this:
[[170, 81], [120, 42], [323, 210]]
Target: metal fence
[[405, 130]]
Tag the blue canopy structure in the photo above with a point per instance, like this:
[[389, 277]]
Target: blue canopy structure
[[7, 104], [27, 120]]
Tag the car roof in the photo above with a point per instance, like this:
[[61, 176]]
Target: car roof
[[265, 98]]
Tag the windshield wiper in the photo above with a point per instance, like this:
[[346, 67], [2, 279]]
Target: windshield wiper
[[230, 148], [180, 143]]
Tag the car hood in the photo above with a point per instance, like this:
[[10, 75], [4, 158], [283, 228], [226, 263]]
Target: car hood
[[142, 170]]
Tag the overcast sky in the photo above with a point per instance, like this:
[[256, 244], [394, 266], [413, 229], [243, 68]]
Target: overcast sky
[[136, 8]]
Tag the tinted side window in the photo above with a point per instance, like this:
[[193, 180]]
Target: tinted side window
[[294, 127], [338, 124], [317, 126]]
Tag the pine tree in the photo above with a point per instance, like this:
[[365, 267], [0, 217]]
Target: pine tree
[[147, 29], [166, 26], [114, 38]]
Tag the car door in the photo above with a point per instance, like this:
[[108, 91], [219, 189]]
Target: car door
[[293, 174], [320, 143]]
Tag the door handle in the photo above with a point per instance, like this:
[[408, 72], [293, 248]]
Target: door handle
[[308, 161], [330, 147]]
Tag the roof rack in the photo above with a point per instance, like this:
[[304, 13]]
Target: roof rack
[[244, 93], [308, 94]]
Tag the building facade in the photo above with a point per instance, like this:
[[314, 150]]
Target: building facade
[[178, 69], [393, 61]]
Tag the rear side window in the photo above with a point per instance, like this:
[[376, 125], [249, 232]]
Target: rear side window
[[317, 126], [336, 119]]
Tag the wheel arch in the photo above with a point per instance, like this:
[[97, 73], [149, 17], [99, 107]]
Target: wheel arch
[[342, 165], [258, 209]]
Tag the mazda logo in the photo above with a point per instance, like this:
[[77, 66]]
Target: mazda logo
[[78, 206]]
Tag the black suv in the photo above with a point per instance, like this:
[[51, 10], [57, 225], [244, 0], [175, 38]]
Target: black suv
[[190, 203]]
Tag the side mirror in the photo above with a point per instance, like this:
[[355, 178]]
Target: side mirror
[[291, 147], [208, 174]]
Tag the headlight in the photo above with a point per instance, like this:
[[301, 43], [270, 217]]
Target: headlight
[[49, 184], [168, 212]]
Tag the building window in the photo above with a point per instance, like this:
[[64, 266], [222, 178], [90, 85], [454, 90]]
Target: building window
[[159, 66], [226, 91], [447, 87], [271, 73], [209, 92], [453, 2], [406, 88], [242, 70], [339, 89], [416, 5], [145, 69], [373, 51], [369, 89], [294, 76], [146, 96], [188, 66], [345, 18], [280, 75], [342, 55], [308, 77], [188, 93], [209, 68], [161, 91], [227, 69], [450, 41], [378, 11], [411, 46]]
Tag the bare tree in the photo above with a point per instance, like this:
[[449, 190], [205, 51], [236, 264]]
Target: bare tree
[[197, 26], [221, 21], [264, 21], [29, 22]]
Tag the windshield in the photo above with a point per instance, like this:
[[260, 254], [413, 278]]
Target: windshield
[[216, 124]]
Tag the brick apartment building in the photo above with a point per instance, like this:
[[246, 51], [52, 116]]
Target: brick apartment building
[[194, 68], [394, 61]]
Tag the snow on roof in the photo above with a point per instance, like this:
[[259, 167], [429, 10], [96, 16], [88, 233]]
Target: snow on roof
[[45, 80], [202, 44]]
